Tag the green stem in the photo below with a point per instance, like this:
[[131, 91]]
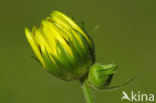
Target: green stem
[[87, 92]]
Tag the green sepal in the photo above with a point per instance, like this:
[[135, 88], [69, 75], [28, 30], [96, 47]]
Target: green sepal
[[116, 87], [101, 75], [94, 30], [36, 59]]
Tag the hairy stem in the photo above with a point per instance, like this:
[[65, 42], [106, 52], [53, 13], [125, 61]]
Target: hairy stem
[[87, 92]]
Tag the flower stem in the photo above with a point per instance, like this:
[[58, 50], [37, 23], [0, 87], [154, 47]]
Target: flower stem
[[87, 91]]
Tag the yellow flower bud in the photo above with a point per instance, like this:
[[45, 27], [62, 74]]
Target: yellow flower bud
[[62, 47]]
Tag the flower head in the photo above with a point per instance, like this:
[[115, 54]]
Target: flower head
[[62, 47]]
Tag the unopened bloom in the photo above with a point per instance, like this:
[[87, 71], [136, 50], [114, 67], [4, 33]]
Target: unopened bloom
[[100, 75], [67, 51], [62, 47]]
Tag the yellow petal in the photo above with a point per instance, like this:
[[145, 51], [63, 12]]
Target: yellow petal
[[51, 31], [42, 41], [32, 43], [67, 22]]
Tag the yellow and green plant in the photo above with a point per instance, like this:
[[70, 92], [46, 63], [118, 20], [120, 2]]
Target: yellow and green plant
[[67, 51]]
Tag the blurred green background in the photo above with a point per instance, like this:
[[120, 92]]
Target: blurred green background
[[127, 35]]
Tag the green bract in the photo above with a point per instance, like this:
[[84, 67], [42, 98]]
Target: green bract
[[100, 76]]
